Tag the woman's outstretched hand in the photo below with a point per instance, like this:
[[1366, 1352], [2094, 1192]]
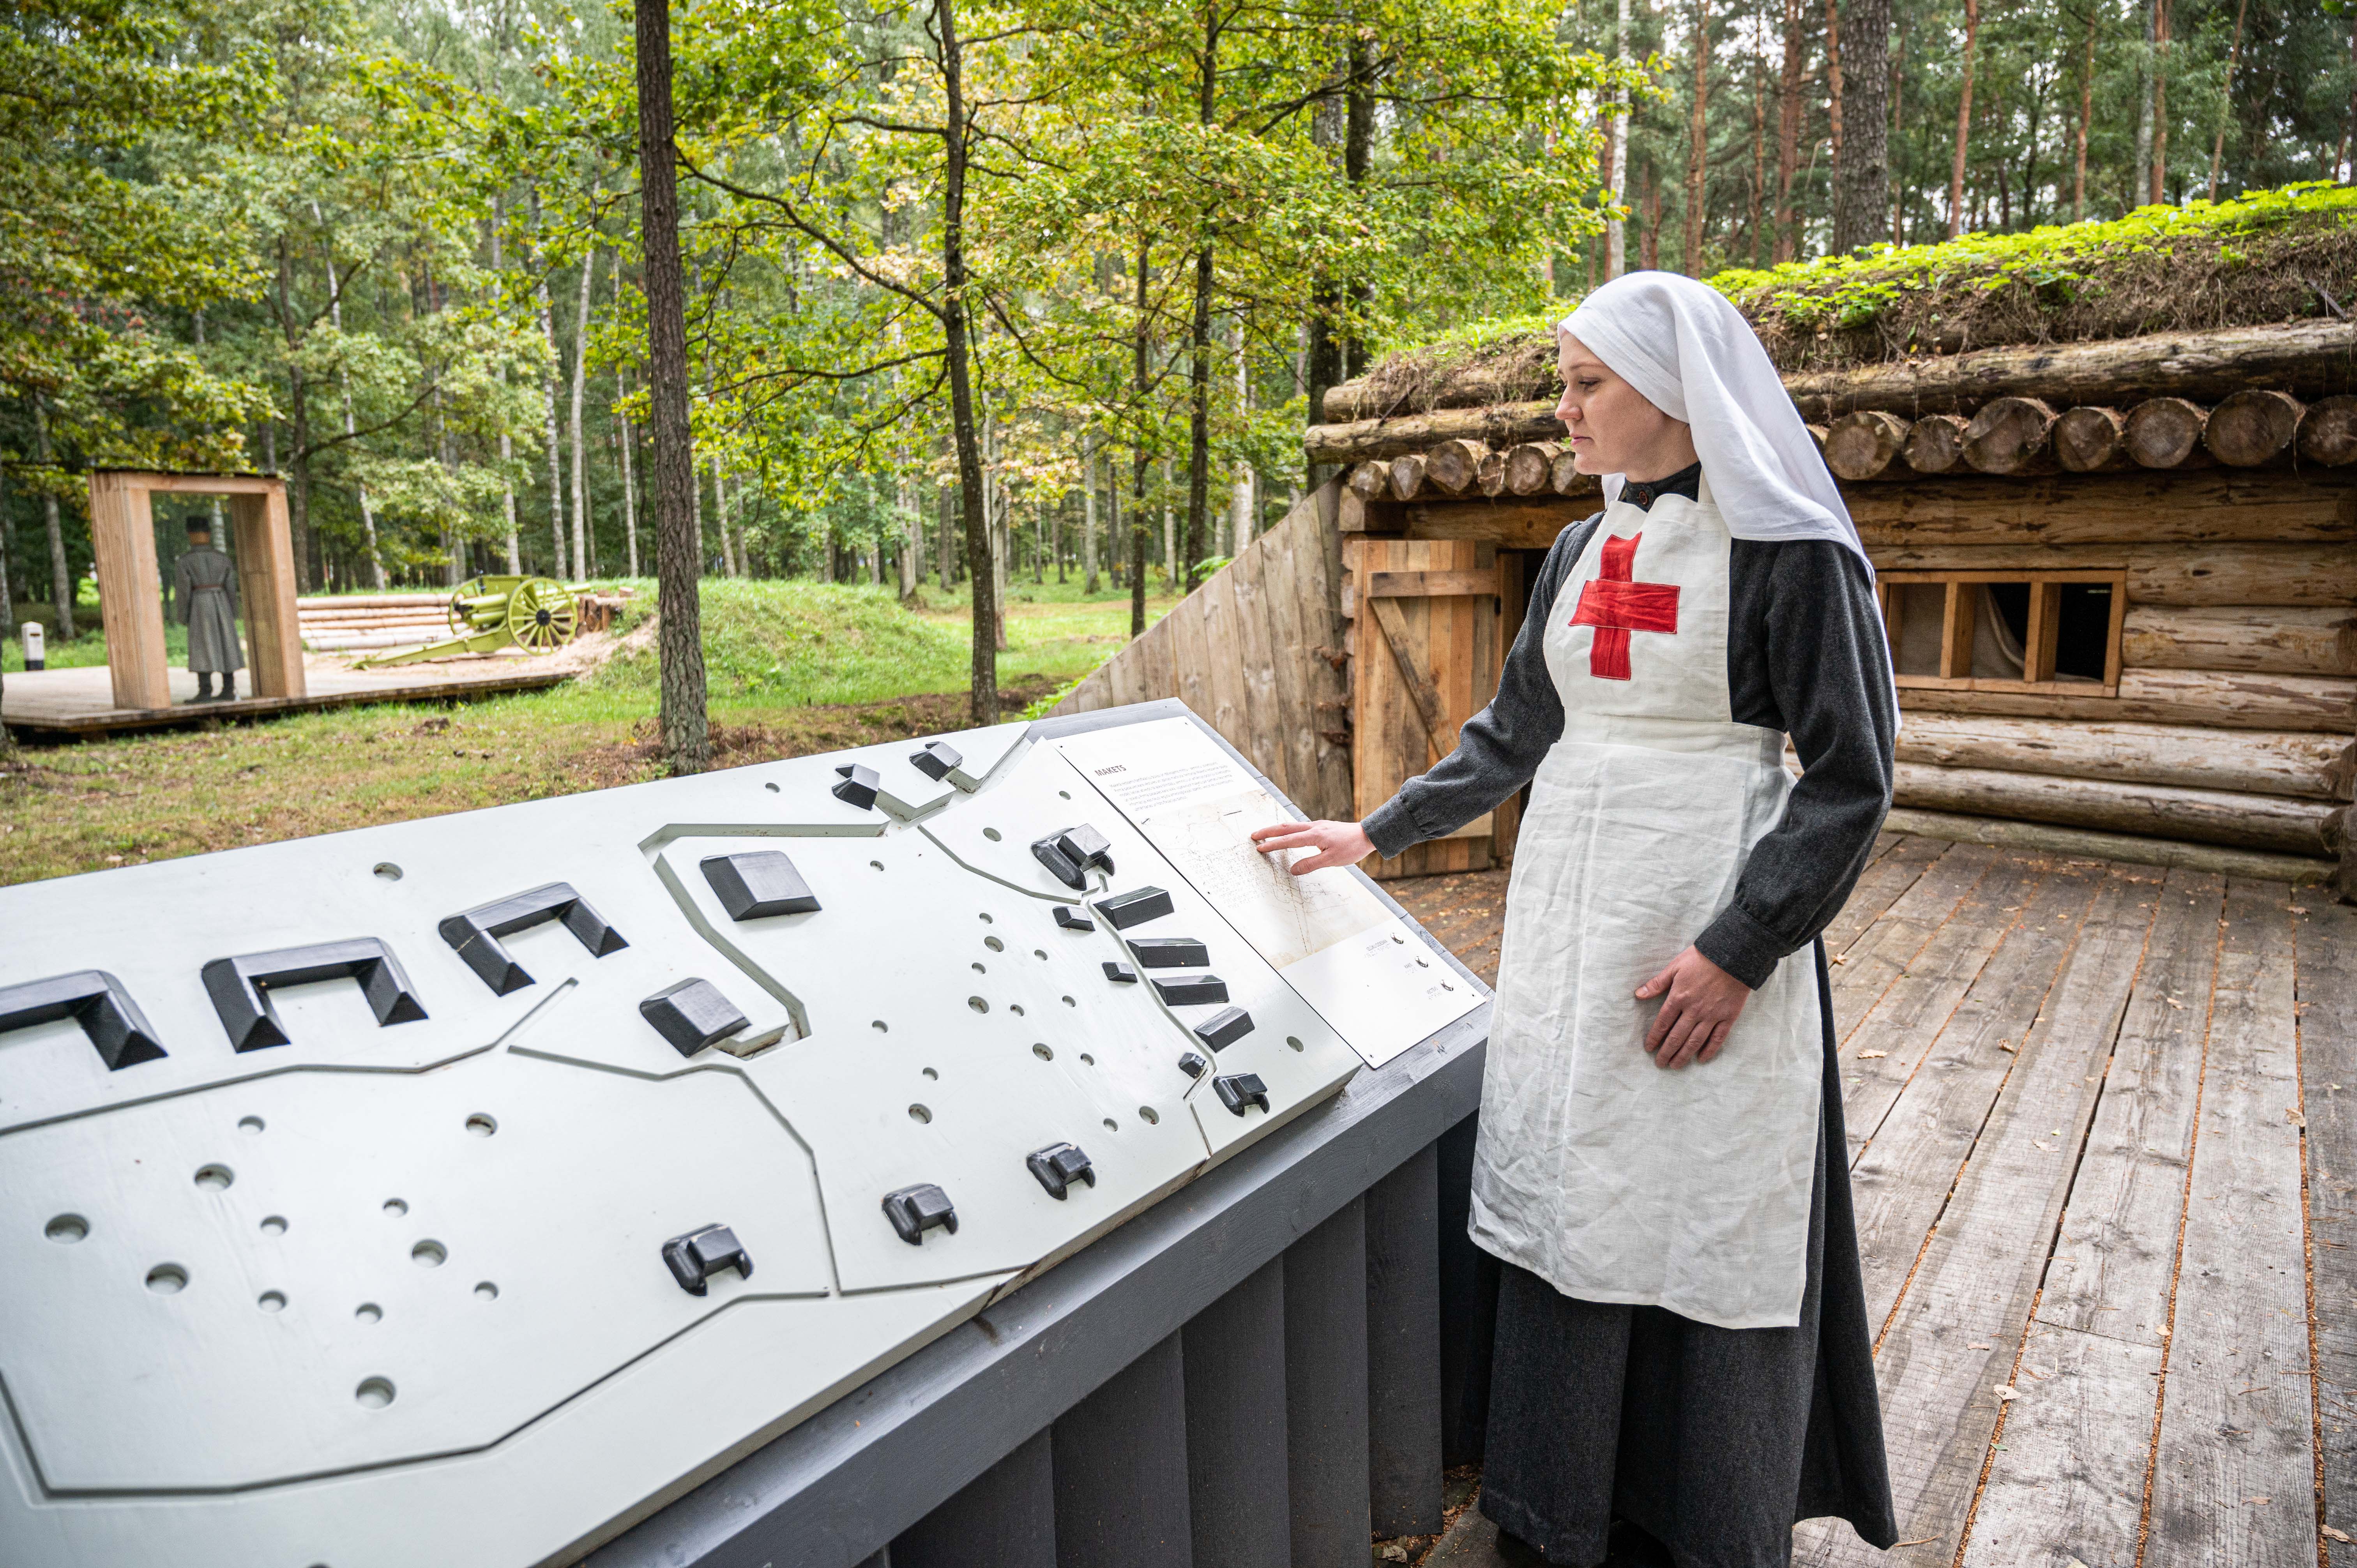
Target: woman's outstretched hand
[[1337, 843], [1704, 1002]]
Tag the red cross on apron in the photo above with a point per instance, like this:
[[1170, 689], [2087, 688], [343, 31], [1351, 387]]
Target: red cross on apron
[[1616, 607]]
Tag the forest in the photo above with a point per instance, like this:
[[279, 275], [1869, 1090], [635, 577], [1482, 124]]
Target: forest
[[391, 249]]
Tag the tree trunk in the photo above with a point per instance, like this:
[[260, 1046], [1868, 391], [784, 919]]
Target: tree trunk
[[1242, 514], [1698, 150], [61, 583], [1089, 514], [1834, 109], [582, 533], [548, 335], [1964, 121], [1788, 129], [1862, 168], [678, 551], [2142, 182], [1322, 364], [2226, 96], [2159, 101], [1758, 156], [1139, 386], [344, 376], [2086, 117], [1616, 228], [628, 442], [1198, 422], [983, 681]]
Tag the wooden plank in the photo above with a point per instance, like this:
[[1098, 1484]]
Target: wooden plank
[[122, 544], [1429, 706], [1894, 944], [1520, 523], [2226, 699], [1957, 1326], [2208, 816], [1191, 655], [2067, 1482], [2116, 1256], [2326, 981], [1910, 1160], [1223, 670], [2324, 576], [2234, 1478], [1432, 584], [1292, 716], [2277, 641], [1907, 1018], [1899, 859], [2069, 1469], [266, 583]]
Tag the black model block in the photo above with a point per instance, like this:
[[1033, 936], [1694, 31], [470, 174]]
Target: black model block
[[692, 1015], [1192, 1065], [95, 1000], [1239, 1090], [1168, 952], [913, 1210], [757, 882], [698, 1255], [476, 934], [1059, 1166], [1224, 1028], [857, 787], [239, 986], [1120, 974], [1192, 990], [1069, 853], [1134, 908], [937, 761], [1071, 919]]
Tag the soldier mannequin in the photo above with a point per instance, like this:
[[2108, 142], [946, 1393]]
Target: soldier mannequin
[[205, 588]]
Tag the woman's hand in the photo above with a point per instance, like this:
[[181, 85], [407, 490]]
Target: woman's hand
[[1704, 1002], [1337, 843]]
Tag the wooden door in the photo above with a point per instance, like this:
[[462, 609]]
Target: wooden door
[[1433, 619]]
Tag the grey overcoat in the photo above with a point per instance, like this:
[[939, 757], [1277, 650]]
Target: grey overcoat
[[205, 590]]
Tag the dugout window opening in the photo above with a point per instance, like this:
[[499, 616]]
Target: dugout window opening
[[2005, 631]]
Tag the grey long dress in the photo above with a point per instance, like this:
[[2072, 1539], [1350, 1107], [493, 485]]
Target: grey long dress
[[204, 590]]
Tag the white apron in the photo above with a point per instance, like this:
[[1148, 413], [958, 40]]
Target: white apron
[[1607, 1176]]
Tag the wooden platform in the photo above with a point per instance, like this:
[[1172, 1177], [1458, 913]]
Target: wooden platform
[[81, 702], [2103, 1122]]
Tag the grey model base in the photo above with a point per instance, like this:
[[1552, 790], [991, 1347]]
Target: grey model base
[[395, 1290]]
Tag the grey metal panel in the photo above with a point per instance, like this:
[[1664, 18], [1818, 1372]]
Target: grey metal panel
[[1121, 1470], [876, 1460], [1326, 1389], [1236, 1481], [1004, 1518], [1468, 1304], [1403, 1349]]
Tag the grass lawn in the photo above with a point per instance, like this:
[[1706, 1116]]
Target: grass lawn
[[793, 667]]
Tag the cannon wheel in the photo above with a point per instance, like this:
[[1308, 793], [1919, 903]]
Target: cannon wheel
[[541, 614]]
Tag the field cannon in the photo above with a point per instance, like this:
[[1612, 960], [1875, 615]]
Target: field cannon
[[487, 614]]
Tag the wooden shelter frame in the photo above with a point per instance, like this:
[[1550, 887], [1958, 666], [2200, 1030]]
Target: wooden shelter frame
[[130, 583]]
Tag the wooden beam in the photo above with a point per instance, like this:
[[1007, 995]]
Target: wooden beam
[[200, 484], [1431, 585], [1517, 523], [2225, 699], [266, 586], [2089, 440], [1501, 424], [2231, 636], [2011, 435], [2131, 506], [130, 590], [1956, 630], [2277, 823], [1429, 705], [2323, 576], [2253, 427], [2263, 762]]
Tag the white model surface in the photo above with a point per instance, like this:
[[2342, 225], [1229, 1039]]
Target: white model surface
[[395, 1293]]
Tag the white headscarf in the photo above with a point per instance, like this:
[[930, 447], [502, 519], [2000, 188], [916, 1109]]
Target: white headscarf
[[1694, 357]]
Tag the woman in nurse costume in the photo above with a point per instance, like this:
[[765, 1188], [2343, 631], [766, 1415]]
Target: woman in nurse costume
[[1683, 1367]]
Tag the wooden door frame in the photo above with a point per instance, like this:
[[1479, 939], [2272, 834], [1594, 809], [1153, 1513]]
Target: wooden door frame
[[130, 582]]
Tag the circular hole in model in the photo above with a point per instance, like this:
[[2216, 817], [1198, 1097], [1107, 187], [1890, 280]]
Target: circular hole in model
[[389, 871], [994, 944], [480, 1125], [274, 1225], [1111, 1126], [1422, 963], [1401, 940], [1145, 1113], [1016, 1008], [215, 1178], [990, 834], [1064, 794], [772, 789], [877, 863], [932, 1074], [486, 1290], [167, 1279], [977, 1004], [1448, 985], [1039, 953], [368, 1312], [395, 1207], [272, 1301], [374, 1394], [1088, 1059], [979, 970], [66, 1230], [1041, 1051], [429, 1254], [1294, 1041], [988, 921], [919, 1113], [249, 1125], [879, 1025], [1069, 1003]]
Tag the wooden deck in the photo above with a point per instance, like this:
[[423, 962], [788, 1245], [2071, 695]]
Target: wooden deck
[[81, 702], [2103, 1125]]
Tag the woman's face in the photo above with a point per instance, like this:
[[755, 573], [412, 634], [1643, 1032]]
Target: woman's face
[[1613, 429]]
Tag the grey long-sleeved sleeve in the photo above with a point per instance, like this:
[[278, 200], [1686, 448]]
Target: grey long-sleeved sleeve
[[1500, 746], [1806, 655]]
